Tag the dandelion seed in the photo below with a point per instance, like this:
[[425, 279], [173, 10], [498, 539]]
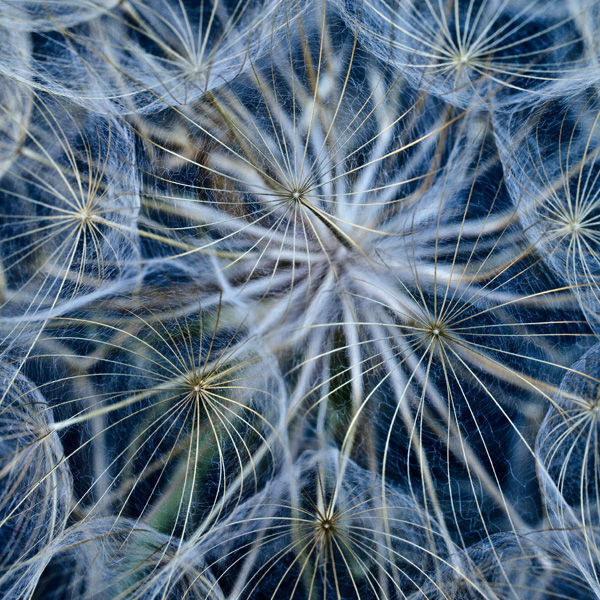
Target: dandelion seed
[[35, 484], [43, 15], [323, 531], [68, 216], [512, 566], [566, 448], [120, 558], [181, 409], [473, 52], [551, 157], [144, 56]]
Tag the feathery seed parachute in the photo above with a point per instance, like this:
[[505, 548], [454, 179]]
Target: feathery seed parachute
[[299, 300]]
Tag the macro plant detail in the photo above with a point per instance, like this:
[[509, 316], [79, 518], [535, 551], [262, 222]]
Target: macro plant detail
[[474, 51], [299, 299], [322, 531], [553, 176]]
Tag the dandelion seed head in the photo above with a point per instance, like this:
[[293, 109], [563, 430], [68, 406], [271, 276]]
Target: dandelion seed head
[[287, 290]]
